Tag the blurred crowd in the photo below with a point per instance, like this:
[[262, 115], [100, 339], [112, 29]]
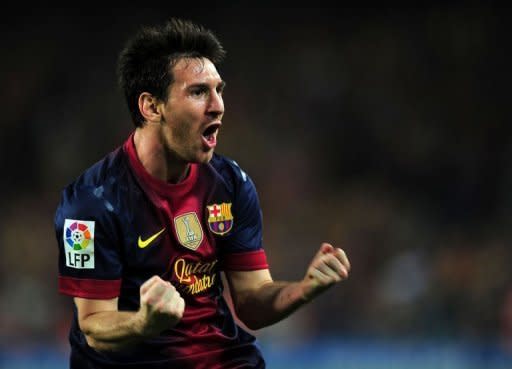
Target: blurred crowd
[[381, 131]]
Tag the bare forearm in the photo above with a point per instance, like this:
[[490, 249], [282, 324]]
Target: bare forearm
[[112, 330], [273, 302], [259, 301], [107, 328]]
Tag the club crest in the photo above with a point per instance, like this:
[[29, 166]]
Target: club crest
[[189, 231], [220, 219]]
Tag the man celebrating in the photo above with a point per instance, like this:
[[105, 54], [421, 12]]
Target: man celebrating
[[144, 233]]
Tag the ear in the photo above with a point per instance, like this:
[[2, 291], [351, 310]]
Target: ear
[[148, 107]]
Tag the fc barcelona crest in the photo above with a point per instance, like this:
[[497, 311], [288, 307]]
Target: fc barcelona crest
[[188, 230], [220, 219]]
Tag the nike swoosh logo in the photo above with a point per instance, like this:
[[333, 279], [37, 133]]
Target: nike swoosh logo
[[145, 243]]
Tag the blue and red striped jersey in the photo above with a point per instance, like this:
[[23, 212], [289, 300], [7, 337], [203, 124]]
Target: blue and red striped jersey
[[117, 226]]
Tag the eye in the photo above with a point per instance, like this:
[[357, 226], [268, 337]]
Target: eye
[[220, 88], [198, 92]]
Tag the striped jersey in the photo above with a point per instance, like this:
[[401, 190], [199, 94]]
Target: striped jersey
[[117, 226]]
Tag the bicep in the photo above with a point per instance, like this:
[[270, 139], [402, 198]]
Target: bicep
[[88, 307], [242, 283]]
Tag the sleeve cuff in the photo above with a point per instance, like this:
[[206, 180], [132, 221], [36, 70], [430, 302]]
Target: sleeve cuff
[[241, 261], [90, 288]]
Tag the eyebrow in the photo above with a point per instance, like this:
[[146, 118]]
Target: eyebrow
[[221, 84]]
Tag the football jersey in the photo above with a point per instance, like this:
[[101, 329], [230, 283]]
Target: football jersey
[[117, 226]]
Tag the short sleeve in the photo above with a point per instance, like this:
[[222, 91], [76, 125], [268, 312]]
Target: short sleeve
[[243, 246], [89, 253]]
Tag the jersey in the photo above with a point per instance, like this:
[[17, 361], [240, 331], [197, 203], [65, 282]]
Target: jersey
[[116, 226]]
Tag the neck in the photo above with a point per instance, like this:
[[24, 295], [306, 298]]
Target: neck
[[156, 158]]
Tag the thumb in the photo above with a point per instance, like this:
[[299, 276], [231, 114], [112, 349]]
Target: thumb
[[325, 248]]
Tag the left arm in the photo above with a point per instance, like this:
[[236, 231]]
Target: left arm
[[259, 301]]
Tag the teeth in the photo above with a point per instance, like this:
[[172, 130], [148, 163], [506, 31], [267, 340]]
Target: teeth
[[210, 134]]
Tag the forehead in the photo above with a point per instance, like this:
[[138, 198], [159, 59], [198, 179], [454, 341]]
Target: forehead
[[195, 70]]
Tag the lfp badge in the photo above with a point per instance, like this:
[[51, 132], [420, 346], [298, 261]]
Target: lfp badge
[[220, 219], [79, 243]]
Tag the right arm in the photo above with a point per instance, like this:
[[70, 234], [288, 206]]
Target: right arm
[[106, 328]]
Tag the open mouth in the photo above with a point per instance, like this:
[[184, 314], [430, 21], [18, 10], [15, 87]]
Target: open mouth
[[210, 134]]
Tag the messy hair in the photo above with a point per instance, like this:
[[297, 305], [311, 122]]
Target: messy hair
[[145, 64]]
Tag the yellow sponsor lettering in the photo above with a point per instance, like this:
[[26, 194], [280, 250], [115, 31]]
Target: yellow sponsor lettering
[[195, 277], [201, 284], [180, 267]]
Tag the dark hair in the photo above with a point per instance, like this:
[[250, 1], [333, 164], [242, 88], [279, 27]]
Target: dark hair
[[146, 62]]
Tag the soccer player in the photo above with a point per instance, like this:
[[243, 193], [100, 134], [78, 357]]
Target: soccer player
[[145, 232]]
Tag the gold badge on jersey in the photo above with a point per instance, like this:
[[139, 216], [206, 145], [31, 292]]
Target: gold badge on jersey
[[189, 231]]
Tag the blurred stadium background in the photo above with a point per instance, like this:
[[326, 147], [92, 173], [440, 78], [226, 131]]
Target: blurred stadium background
[[382, 130]]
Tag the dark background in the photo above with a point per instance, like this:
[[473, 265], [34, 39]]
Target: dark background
[[383, 130]]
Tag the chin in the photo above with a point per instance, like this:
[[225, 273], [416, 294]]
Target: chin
[[204, 157]]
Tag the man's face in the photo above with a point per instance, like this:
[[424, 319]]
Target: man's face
[[192, 114]]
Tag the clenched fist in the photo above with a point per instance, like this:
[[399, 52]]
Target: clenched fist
[[161, 306], [329, 266]]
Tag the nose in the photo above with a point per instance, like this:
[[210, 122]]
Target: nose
[[216, 104]]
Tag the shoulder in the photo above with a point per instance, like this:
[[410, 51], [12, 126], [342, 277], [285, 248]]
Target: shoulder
[[232, 174], [95, 189], [238, 183]]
